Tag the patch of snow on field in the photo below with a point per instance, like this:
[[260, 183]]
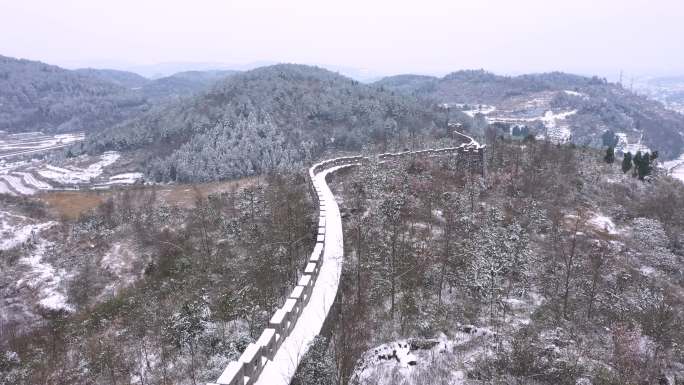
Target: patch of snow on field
[[39, 276], [675, 168], [78, 175], [126, 178], [443, 360], [30, 180], [387, 358], [33, 142], [555, 131], [604, 223], [623, 145], [551, 118], [17, 184], [575, 93], [4, 189], [43, 277], [14, 234], [119, 261], [477, 109]]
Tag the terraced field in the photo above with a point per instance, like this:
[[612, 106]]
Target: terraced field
[[26, 170], [13, 145]]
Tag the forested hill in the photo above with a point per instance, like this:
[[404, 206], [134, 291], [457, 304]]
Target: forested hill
[[479, 86], [182, 84], [596, 105], [269, 118], [35, 96], [161, 90]]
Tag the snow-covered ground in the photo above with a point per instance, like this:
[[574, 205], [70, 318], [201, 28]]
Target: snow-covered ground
[[30, 180], [603, 223], [675, 167], [443, 360], [44, 278], [624, 146], [557, 129], [12, 145], [120, 262], [37, 275], [126, 178], [16, 184], [4, 189], [27, 177], [16, 229], [472, 110], [575, 93], [74, 175]]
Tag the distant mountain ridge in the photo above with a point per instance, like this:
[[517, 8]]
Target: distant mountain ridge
[[480, 86], [183, 84], [668, 90], [122, 78]]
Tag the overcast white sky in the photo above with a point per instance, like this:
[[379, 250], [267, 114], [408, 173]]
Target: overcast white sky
[[385, 36]]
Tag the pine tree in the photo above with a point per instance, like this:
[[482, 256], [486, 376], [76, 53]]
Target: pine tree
[[643, 168], [609, 138], [627, 162], [610, 155]]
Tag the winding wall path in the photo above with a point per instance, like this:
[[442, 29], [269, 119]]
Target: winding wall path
[[274, 357]]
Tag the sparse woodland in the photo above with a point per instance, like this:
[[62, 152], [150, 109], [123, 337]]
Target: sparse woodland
[[204, 285], [432, 248]]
